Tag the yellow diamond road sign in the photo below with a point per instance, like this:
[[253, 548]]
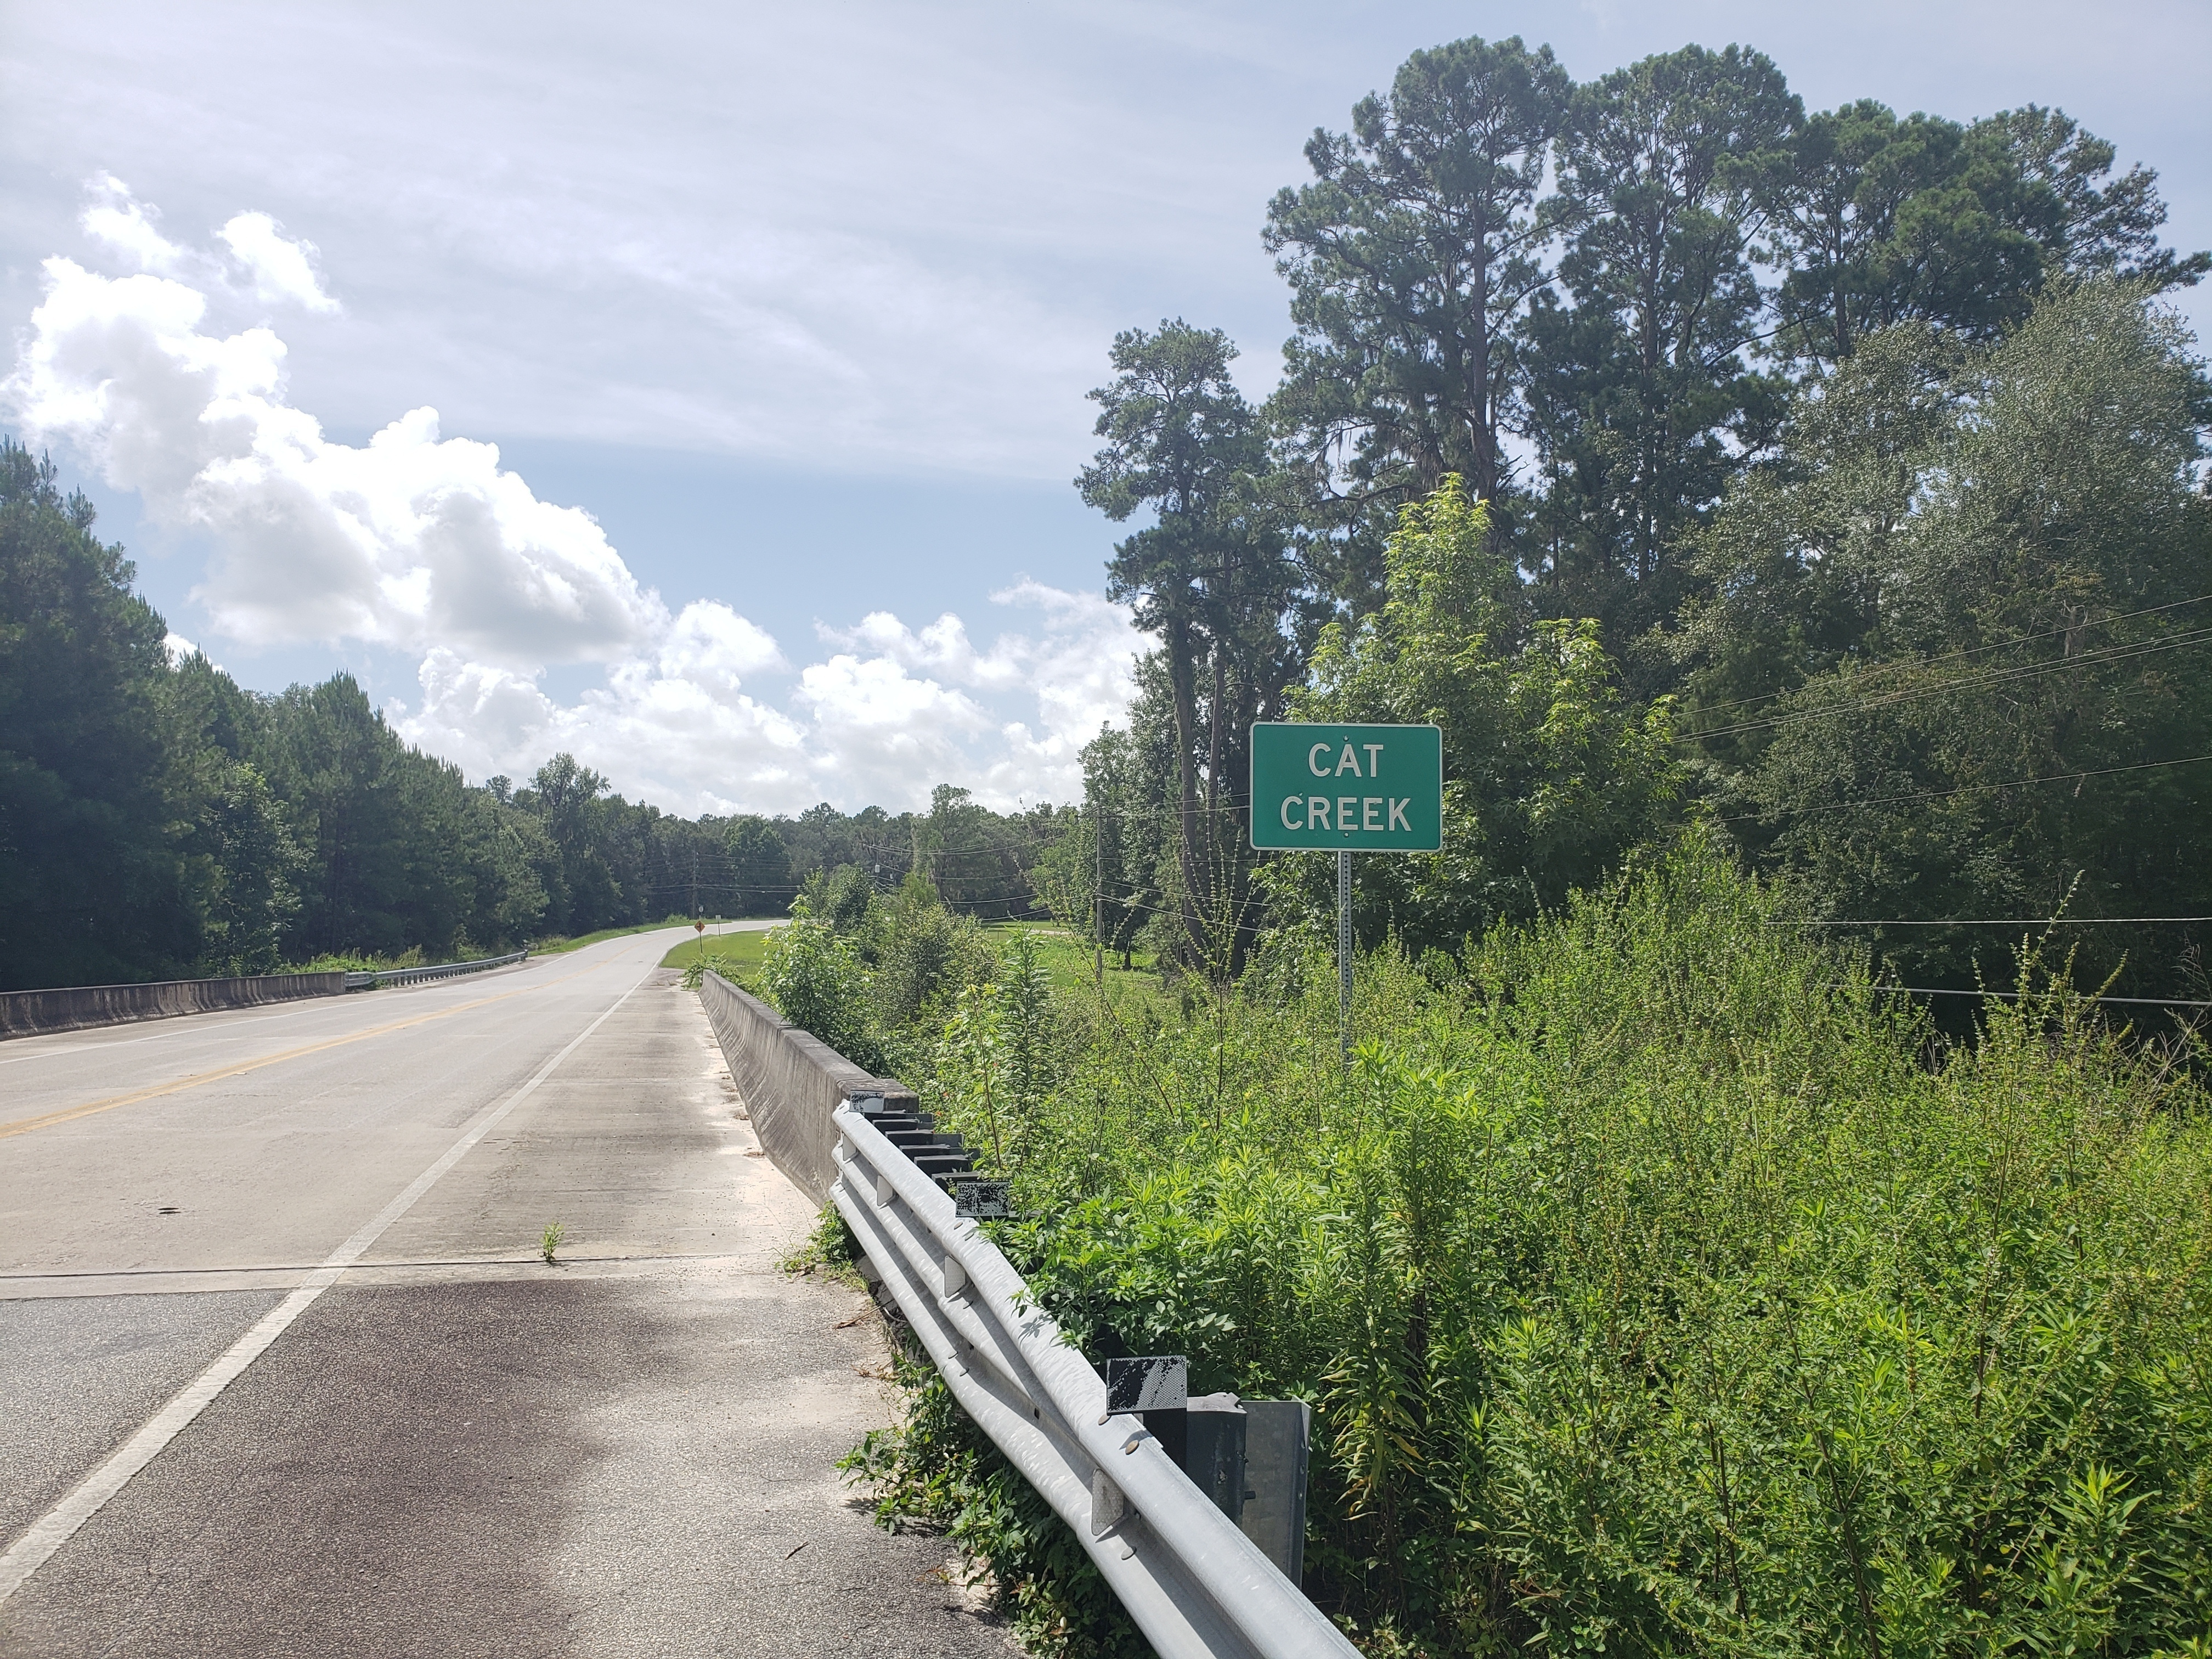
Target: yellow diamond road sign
[[1347, 788]]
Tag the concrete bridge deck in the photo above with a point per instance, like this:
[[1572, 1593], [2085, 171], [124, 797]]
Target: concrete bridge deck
[[436, 1444]]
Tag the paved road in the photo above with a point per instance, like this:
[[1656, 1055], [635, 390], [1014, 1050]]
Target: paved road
[[437, 1445]]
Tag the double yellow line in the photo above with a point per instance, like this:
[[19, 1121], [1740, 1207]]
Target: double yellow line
[[68, 1114]]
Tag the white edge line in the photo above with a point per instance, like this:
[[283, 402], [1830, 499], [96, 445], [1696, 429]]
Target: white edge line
[[56, 1527]]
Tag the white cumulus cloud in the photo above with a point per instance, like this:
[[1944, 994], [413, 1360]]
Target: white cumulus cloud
[[424, 543], [113, 217], [413, 541], [280, 267]]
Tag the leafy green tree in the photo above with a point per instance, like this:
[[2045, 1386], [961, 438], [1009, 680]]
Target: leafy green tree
[[972, 859], [1550, 776], [252, 866], [1409, 258], [1101, 875], [1643, 399], [1795, 572], [567, 798], [331, 755], [511, 864], [925, 953], [92, 888], [760, 867], [816, 980], [2084, 229], [1209, 578], [1974, 603], [1875, 222], [842, 897]]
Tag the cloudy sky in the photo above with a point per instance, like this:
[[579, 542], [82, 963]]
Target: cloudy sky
[[697, 389]]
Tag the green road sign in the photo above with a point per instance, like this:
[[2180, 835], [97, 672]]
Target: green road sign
[[1348, 788]]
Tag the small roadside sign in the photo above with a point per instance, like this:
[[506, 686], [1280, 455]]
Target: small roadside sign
[[1347, 788]]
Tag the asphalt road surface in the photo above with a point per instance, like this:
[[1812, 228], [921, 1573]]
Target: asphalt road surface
[[282, 1371]]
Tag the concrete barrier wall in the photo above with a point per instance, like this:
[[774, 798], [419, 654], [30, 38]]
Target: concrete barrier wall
[[28, 1013], [791, 1082]]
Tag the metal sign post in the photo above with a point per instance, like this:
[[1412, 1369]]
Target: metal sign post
[[1344, 955], [1352, 789]]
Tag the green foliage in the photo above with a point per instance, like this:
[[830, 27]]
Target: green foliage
[[760, 867], [839, 897], [1210, 576], [816, 980], [923, 952], [1550, 775], [1974, 567], [1659, 1286], [1639, 358], [1878, 222], [1411, 257], [91, 884], [875, 980], [831, 1245], [938, 1471]]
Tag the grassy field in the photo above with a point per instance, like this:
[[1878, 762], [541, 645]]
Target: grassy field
[[557, 947], [1065, 958], [1069, 961], [744, 949]]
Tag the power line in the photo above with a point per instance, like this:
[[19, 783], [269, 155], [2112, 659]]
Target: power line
[[1969, 788], [1965, 682], [1991, 921], [1969, 650]]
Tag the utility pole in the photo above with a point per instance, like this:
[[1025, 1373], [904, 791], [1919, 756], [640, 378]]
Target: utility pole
[[1098, 899]]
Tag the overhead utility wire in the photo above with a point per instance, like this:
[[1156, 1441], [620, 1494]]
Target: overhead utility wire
[[1971, 651], [1965, 682], [1968, 788], [1989, 921]]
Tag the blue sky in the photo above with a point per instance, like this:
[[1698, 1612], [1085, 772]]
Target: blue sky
[[798, 303]]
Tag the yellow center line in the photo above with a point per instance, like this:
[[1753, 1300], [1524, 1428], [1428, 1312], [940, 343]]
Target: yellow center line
[[24, 1125]]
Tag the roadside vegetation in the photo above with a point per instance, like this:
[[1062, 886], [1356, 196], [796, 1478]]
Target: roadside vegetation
[[1660, 1284], [736, 956]]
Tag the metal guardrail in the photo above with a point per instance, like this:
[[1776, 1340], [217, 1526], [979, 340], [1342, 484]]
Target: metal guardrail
[[1197, 1587], [370, 982]]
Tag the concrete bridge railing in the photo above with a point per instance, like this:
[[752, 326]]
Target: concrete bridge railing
[[71, 1008], [79, 1008]]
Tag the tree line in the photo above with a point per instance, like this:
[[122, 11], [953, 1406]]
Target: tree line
[[158, 821], [1834, 476]]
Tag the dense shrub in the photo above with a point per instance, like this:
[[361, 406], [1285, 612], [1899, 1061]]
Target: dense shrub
[[1660, 1287], [817, 981]]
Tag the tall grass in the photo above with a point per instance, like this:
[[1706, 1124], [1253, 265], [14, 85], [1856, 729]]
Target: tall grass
[[1660, 1287]]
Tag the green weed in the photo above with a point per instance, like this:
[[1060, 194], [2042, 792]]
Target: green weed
[[1660, 1286]]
